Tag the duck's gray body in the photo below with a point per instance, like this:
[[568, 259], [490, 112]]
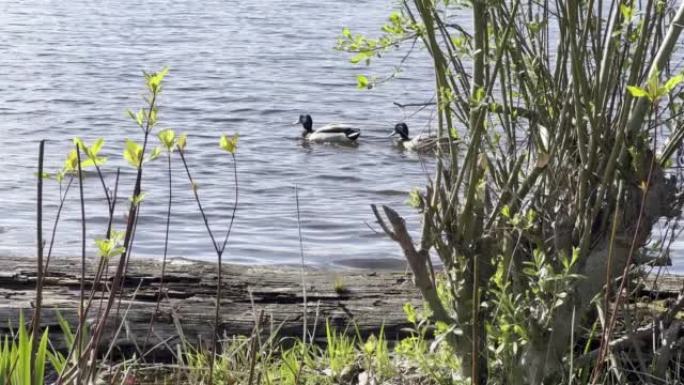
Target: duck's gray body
[[424, 143], [334, 132], [420, 143], [330, 133]]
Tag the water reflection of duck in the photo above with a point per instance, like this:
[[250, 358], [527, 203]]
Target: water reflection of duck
[[331, 133], [420, 143]]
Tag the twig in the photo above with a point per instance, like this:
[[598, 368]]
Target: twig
[[81, 308], [668, 342], [218, 249], [414, 104], [39, 279], [644, 333], [253, 350], [166, 248], [120, 272], [371, 228], [115, 336], [301, 253], [62, 199]]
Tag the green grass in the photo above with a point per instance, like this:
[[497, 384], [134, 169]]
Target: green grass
[[340, 286], [15, 357], [341, 358]]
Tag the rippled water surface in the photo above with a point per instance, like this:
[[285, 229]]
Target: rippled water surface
[[73, 68]]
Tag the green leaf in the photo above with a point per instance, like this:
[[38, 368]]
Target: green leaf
[[534, 27], [453, 132], [137, 117], [362, 82], [24, 354], [168, 138], [627, 12], [359, 57], [71, 162], [152, 118], [89, 152], [229, 144], [441, 327], [154, 80], [57, 360], [102, 247], [673, 82], [97, 146], [79, 143], [182, 141], [414, 199], [111, 247], [637, 92], [140, 117], [346, 33], [410, 312], [137, 199], [38, 375], [370, 345], [155, 153], [90, 162], [133, 153], [132, 115], [479, 95]]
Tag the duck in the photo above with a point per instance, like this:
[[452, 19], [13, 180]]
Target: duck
[[420, 143], [330, 133]]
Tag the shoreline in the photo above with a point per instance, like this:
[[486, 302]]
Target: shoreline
[[383, 264], [369, 300]]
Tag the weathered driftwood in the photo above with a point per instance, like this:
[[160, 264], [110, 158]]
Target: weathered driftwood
[[663, 286], [368, 301]]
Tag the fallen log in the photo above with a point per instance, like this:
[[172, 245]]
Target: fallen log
[[662, 285], [359, 300]]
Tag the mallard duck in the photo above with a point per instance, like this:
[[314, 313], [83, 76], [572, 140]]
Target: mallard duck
[[420, 143], [333, 133]]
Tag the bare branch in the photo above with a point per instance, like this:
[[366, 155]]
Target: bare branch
[[417, 260], [414, 104], [382, 223]]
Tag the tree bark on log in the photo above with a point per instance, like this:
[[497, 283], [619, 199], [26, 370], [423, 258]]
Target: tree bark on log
[[368, 302]]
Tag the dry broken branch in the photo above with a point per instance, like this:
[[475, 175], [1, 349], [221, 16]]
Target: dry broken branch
[[417, 260]]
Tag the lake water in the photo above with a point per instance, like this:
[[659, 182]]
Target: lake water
[[73, 68]]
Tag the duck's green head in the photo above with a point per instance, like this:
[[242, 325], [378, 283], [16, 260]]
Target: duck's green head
[[402, 130], [306, 121]]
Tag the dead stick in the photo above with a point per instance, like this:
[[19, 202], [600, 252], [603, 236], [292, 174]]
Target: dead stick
[[39, 278]]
